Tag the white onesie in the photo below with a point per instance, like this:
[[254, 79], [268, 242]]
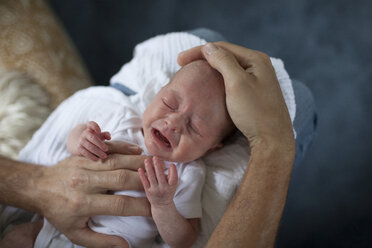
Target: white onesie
[[114, 112]]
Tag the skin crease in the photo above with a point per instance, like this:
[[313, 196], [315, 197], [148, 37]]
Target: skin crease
[[190, 112]]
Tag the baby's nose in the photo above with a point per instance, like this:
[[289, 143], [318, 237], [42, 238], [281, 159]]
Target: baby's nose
[[174, 124]]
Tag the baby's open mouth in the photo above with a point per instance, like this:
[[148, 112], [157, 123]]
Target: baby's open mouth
[[162, 138]]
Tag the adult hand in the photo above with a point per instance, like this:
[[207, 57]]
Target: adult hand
[[75, 189], [257, 108], [253, 96]]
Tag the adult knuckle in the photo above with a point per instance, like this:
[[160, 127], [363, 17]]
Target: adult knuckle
[[120, 204], [263, 57], [123, 177], [112, 161], [77, 179], [77, 202]]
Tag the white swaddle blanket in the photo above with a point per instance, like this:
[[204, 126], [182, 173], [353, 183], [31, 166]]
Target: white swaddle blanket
[[153, 65]]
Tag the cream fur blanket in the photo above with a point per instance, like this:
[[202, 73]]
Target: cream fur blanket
[[24, 106]]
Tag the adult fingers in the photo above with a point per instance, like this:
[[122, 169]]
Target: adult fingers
[[190, 55], [88, 238], [224, 62], [117, 205], [123, 148], [131, 162], [114, 180], [246, 57], [116, 162]]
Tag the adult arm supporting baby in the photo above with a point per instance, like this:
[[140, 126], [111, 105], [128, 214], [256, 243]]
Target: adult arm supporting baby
[[70, 192], [257, 108]]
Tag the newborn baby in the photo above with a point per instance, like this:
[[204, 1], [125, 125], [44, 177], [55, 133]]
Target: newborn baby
[[187, 119]]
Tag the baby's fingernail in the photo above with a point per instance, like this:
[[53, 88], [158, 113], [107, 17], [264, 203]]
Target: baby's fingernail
[[210, 48]]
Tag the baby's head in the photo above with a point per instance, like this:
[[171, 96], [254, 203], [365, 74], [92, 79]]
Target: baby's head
[[188, 117]]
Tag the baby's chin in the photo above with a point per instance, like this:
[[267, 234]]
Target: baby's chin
[[154, 151]]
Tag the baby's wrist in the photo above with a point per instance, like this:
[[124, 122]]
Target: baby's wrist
[[165, 207]]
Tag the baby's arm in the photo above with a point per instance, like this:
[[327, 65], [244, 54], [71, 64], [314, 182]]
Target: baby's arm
[[175, 230], [22, 235], [87, 140]]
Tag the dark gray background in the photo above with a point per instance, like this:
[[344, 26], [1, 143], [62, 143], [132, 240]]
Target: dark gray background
[[325, 44]]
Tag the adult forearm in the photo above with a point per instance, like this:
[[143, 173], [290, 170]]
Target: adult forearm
[[16, 183], [253, 215]]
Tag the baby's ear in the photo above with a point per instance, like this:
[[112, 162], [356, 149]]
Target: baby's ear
[[216, 147]]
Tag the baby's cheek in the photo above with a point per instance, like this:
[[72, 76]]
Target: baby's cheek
[[188, 154]]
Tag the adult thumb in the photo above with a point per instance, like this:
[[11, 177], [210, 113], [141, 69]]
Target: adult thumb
[[223, 61]]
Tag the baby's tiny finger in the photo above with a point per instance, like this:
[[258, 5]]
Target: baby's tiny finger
[[85, 153], [94, 149], [159, 165], [172, 175], [105, 136], [150, 172], [94, 139], [143, 178], [94, 126]]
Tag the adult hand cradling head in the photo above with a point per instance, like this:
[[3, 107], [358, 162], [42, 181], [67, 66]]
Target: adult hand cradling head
[[253, 96]]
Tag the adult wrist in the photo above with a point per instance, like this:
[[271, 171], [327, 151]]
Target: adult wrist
[[33, 191], [17, 184], [281, 149]]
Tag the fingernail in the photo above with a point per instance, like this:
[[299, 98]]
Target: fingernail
[[210, 48], [135, 149]]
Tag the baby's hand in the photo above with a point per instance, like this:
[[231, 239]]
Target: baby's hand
[[159, 188], [91, 142]]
